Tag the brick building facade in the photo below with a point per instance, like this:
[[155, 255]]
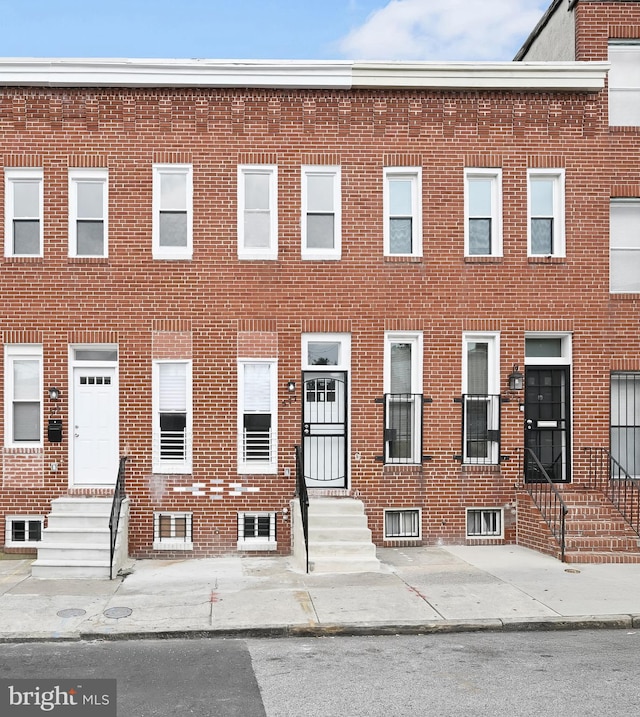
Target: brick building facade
[[216, 262]]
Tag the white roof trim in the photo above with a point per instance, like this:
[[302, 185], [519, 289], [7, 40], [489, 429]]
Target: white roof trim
[[533, 76]]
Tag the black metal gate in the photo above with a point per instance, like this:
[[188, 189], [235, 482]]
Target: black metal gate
[[546, 408], [324, 429]]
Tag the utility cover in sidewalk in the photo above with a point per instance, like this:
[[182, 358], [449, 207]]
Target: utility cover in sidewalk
[[71, 612], [117, 612]]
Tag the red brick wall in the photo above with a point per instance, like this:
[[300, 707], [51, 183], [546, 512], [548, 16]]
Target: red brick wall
[[215, 308]]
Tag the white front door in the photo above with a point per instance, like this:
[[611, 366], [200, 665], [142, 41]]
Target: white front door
[[94, 433]]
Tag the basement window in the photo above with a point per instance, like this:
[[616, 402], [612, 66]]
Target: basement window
[[484, 523], [23, 531], [173, 531], [402, 524], [257, 531]]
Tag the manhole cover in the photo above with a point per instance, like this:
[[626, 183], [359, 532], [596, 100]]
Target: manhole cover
[[117, 612], [71, 612], [571, 570]]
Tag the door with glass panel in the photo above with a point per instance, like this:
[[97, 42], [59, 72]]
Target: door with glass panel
[[324, 429], [546, 408]]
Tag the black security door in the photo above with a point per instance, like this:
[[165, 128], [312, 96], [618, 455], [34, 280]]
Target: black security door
[[546, 407]]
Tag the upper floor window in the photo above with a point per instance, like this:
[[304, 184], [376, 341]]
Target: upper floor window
[[23, 395], [257, 419], [321, 213], [23, 212], [88, 202], [624, 237], [481, 399], [402, 205], [172, 211], [624, 84], [483, 212], [403, 398], [257, 212], [546, 212], [172, 411]]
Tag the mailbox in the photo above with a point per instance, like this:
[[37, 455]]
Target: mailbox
[[54, 430]]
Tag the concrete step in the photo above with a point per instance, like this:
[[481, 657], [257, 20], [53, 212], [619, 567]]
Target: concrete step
[[69, 570], [343, 565], [333, 506], [341, 548], [75, 536], [76, 520], [81, 505], [323, 533], [74, 552]]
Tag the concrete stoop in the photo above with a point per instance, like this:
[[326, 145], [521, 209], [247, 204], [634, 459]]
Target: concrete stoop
[[76, 543], [339, 537]]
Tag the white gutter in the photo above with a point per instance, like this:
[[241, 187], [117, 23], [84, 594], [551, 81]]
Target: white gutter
[[293, 74]]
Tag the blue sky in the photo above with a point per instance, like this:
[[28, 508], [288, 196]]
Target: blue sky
[[269, 29]]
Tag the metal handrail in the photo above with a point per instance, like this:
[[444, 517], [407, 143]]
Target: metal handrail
[[303, 497], [610, 478], [118, 496], [548, 499]]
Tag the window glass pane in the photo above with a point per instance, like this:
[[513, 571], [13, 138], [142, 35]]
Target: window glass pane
[[625, 271], [256, 191], [400, 197], [478, 367], [26, 199], [320, 231], [26, 237], [173, 191], [173, 386], [257, 229], [35, 529], [400, 368], [551, 348], [542, 236], [90, 238], [96, 354], [173, 229], [26, 379], [90, 204], [173, 436], [479, 236], [400, 236], [18, 530], [480, 196], [625, 224], [257, 387], [323, 353], [320, 193], [542, 197], [26, 421], [164, 526]]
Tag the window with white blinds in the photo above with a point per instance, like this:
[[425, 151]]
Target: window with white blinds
[[172, 416], [23, 395], [256, 419], [624, 84]]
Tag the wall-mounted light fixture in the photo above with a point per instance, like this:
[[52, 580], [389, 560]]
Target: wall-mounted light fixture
[[54, 393], [291, 386], [516, 379], [291, 391]]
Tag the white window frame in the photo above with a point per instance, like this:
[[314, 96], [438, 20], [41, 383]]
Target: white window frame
[[13, 353], [484, 534], [262, 543], [404, 511], [164, 465], [630, 253], [270, 251], [256, 467], [172, 252], [624, 84], [97, 176], [344, 351], [414, 174], [11, 178], [173, 542], [26, 543], [492, 339], [334, 173], [494, 176], [415, 340], [557, 176], [566, 348]]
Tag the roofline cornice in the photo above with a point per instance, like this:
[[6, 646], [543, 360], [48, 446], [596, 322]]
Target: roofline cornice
[[293, 74]]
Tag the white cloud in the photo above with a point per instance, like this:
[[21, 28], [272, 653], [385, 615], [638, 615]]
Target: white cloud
[[444, 30]]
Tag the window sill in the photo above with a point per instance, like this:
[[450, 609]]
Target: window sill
[[24, 260], [257, 470], [403, 259], [168, 545], [625, 297], [258, 545], [98, 260], [547, 259], [182, 470], [483, 259], [481, 468]]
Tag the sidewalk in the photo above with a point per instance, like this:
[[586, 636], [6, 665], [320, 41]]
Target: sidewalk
[[418, 590]]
